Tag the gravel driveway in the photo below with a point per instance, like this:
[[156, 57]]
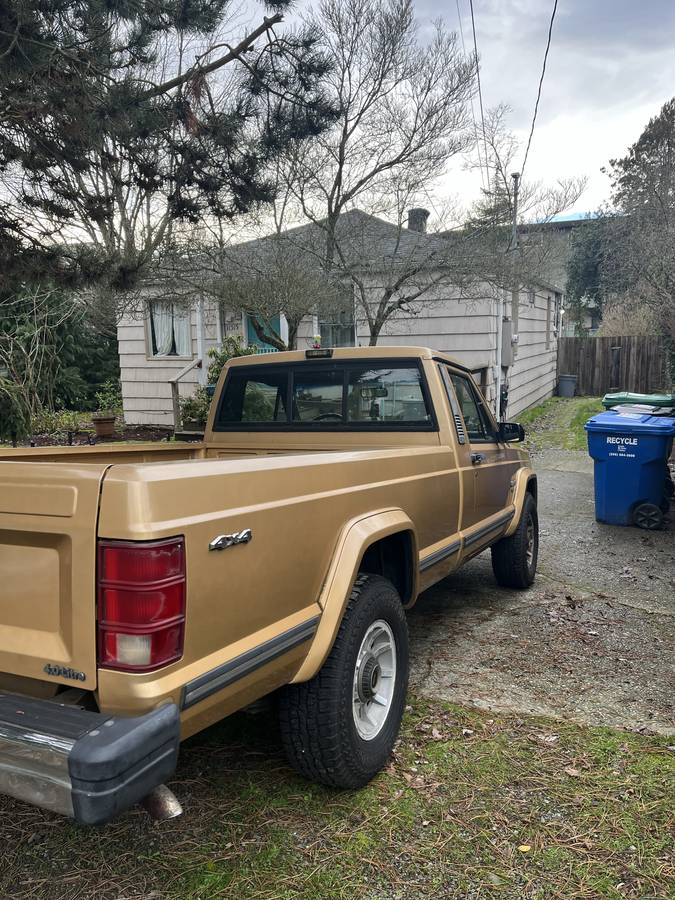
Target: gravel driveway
[[592, 640]]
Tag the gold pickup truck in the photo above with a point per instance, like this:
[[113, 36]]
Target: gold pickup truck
[[149, 590]]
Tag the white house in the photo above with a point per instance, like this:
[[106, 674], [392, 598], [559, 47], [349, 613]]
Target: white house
[[504, 342]]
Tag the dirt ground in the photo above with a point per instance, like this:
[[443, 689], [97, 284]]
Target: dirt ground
[[593, 639]]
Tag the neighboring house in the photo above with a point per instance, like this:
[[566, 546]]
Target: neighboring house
[[499, 342]]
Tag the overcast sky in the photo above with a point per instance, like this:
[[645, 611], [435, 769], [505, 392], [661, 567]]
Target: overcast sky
[[610, 68]]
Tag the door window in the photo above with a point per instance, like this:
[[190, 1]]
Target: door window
[[479, 425]]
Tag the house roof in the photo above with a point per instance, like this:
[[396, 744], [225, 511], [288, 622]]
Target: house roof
[[365, 242]]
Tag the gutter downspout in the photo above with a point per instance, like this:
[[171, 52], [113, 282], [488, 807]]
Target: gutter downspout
[[498, 361], [201, 374]]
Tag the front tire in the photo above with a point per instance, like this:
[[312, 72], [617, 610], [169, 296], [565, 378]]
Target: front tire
[[514, 559], [340, 728]]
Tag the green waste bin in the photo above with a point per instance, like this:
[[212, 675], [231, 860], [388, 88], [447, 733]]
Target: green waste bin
[[625, 397]]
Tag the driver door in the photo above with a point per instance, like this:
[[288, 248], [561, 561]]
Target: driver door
[[488, 471]]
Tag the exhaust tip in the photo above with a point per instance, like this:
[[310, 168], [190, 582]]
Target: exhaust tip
[[162, 804]]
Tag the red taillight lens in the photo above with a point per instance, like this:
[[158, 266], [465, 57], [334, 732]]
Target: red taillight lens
[[141, 604]]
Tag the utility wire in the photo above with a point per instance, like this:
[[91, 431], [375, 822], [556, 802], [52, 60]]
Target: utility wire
[[480, 92], [483, 172], [541, 81]]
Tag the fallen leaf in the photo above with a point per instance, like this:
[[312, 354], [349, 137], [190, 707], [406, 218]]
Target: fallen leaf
[[572, 772], [467, 731], [425, 823], [436, 735], [524, 848]]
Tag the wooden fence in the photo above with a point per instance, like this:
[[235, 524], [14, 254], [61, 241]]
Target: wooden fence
[[602, 364]]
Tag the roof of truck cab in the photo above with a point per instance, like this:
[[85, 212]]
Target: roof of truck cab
[[383, 352]]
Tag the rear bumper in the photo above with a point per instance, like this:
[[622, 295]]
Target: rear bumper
[[87, 765]]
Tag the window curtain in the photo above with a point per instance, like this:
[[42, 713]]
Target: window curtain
[[162, 320], [181, 330]]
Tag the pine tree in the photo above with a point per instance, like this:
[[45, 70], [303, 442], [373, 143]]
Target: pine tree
[[113, 133]]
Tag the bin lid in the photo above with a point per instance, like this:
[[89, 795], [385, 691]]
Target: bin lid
[[644, 408], [618, 421], [610, 400]]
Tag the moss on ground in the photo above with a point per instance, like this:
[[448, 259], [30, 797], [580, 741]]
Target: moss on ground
[[472, 805], [558, 423]]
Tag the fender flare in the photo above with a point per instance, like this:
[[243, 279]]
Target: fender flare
[[357, 535], [519, 487]]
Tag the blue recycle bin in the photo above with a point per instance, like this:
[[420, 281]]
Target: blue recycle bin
[[632, 479]]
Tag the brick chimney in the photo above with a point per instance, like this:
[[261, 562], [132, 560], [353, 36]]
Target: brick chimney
[[417, 219]]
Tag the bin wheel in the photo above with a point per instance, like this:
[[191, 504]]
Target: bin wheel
[[649, 516]]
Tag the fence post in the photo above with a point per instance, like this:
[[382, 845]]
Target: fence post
[[616, 368]]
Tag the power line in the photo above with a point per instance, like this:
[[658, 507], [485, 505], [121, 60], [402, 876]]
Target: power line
[[541, 81], [483, 172], [480, 92]]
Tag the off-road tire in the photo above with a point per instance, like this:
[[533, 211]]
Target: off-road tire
[[318, 729], [510, 562]]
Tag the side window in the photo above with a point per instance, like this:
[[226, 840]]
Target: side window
[[479, 426], [254, 398], [388, 395]]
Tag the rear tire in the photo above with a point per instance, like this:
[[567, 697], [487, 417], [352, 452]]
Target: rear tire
[[340, 728], [514, 558]]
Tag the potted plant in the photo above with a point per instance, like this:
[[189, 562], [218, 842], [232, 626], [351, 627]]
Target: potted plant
[[109, 400]]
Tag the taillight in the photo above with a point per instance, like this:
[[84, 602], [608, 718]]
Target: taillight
[[141, 603]]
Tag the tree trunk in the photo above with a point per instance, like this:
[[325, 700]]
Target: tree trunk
[[267, 336]]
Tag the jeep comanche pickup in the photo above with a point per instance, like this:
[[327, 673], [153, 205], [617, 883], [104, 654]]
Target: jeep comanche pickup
[[147, 591]]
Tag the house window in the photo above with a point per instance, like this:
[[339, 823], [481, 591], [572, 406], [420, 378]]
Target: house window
[[170, 332], [336, 326]]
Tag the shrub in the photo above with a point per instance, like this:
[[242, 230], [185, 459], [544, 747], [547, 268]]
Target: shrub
[[109, 398], [14, 414], [231, 348], [196, 407]]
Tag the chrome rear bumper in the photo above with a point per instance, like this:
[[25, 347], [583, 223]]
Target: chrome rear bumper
[[86, 765]]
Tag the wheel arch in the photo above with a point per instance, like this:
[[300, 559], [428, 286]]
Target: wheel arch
[[523, 482], [385, 542]]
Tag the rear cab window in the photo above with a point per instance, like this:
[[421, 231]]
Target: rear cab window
[[334, 396]]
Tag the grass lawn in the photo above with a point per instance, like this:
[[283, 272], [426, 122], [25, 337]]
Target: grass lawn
[[472, 805], [558, 423]]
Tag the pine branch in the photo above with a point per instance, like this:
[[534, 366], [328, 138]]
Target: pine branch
[[198, 69]]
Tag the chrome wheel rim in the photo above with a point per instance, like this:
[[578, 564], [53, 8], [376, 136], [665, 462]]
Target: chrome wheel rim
[[374, 680], [530, 536]]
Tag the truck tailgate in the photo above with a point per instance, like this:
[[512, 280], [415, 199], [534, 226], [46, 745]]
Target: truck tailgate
[[48, 517]]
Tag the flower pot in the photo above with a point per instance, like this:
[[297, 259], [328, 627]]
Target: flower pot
[[104, 426]]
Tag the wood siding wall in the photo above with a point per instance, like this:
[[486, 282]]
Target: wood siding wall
[[146, 392], [639, 365], [532, 378], [464, 329]]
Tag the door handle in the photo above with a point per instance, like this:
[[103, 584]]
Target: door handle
[[478, 458]]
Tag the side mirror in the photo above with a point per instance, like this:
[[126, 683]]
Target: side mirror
[[509, 432]]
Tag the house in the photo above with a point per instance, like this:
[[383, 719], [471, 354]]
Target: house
[[504, 339]]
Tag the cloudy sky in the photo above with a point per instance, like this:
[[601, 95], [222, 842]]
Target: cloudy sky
[[610, 68]]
